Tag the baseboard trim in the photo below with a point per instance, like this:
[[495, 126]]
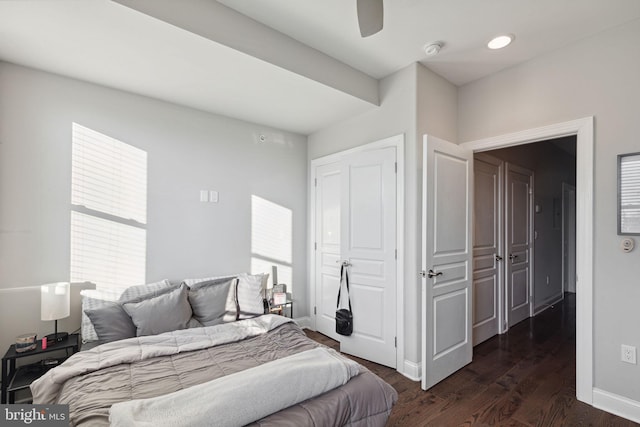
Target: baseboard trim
[[304, 322], [616, 404], [555, 299], [412, 370]]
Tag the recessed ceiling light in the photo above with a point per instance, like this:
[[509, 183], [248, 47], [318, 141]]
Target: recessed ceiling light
[[500, 41]]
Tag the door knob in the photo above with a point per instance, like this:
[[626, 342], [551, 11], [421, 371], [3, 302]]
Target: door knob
[[434, 274], [498, 257], [512, 257]]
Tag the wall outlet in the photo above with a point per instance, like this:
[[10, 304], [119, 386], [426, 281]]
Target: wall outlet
[[628, 354]]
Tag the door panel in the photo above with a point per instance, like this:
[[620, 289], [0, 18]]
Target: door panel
[[457, 335], [369, 246], [519, 184], [366, 206], [519, 289], [485, 308], [487, 247], [327, 258], [446, 304], [370, 323]]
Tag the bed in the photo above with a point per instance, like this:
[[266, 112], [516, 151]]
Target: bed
[[224, 364]]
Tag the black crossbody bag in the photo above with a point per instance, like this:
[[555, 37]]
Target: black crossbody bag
[[344, 317]]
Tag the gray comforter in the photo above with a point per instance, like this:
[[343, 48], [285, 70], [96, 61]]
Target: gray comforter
[[365, 400]]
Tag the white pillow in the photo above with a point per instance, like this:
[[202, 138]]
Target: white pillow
[[250, 295]]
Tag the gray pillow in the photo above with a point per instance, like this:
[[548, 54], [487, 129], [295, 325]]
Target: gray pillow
[[166, 312], [142, 292], [193, 323], [213, 301], [111, 322]]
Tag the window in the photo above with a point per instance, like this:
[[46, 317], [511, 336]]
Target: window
[[629, 194], [271, 239], [108, 210]]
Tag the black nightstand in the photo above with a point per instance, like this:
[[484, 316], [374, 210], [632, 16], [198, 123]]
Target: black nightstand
[[17, 379]]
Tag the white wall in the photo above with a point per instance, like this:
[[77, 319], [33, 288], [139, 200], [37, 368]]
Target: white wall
[[411, 101], [597, 76], [188, 150]]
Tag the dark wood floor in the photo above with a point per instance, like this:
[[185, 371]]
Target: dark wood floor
[[525, 377]]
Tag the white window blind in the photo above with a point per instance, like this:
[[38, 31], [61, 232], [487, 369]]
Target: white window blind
[[630, 194], [109, 210], [107, 253], [108, 175], [271, 239]]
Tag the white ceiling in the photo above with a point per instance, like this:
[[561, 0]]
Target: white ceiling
[[313, 71], [465, 26]]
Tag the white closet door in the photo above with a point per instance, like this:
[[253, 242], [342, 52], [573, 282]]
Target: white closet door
[[368, 245]]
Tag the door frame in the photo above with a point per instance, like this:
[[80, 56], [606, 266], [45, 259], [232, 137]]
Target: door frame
[[583, 130], [397, 142]]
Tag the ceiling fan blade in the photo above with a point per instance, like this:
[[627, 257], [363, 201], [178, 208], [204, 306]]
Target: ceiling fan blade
[[370, 16]]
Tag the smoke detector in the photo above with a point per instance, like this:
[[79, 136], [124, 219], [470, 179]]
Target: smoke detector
[[432, 49]]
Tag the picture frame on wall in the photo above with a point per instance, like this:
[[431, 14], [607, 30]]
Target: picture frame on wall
[[629, 194]]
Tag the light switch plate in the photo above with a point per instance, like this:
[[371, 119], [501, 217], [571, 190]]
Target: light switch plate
[[213, 196], [204, 195]]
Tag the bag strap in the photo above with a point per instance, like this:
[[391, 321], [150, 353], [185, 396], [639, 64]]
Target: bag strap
[[344, 272]]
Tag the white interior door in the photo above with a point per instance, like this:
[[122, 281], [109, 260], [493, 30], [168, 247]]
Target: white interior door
[[487, 247], [569, 237], [447, 257], [368, 236], [518, 224], [328, 187]]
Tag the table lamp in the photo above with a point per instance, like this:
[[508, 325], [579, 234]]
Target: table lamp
[[54, 305]]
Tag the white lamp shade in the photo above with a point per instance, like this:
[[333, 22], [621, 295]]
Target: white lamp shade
[[54, 301]]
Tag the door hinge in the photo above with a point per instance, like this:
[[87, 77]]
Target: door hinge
[[315, 182], [314, 310], [315, 246], [395, 342], [396, 167], [396, 254]]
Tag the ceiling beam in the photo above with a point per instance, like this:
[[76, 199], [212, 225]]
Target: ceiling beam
[[221, 24]]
